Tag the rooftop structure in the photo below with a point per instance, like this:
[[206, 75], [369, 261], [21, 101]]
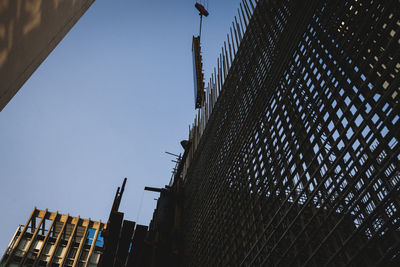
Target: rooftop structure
[[53, 239]]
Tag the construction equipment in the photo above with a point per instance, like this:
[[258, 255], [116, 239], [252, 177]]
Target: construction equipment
[[198, 76]]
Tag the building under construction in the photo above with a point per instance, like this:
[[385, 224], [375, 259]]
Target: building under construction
[[294, 156]]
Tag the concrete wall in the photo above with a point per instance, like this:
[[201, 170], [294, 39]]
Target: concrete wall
[[29, 31]]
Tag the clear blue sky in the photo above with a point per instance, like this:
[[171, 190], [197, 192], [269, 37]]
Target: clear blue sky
[[108, 101]]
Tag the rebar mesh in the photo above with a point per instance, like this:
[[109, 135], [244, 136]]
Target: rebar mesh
[[299, 161]]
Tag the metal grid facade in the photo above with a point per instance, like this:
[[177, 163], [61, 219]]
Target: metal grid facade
[[299, 161]]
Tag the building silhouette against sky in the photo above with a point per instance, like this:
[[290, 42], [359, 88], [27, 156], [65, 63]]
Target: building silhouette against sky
[[293, 158]]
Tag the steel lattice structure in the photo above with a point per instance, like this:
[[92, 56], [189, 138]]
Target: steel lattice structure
[[299, 161]]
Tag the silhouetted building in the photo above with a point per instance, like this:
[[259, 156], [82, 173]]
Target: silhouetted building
[[296, 158], [293, 159], [53, 239]]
